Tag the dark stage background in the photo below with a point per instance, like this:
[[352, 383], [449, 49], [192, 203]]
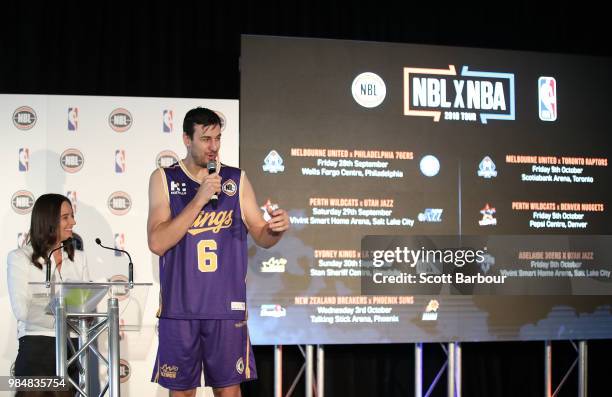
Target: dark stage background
[[192, 49]]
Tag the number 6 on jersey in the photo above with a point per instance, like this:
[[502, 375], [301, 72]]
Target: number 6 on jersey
[[207, 259]]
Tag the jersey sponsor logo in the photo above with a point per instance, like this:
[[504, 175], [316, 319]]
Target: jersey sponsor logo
[[124, 371], [168, 371], [22, 202], [239, 306], [178, 188], [24, 118], [120, 120], [72, 160], [229, 187], [119, 203], [211, 221]]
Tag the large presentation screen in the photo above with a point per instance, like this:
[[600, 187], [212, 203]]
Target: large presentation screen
[[380, 151]]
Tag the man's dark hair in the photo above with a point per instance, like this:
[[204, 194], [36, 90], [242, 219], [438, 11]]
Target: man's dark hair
[[202, 116], [44, 226]]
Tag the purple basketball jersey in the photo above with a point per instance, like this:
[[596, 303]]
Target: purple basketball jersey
[[204, 275]]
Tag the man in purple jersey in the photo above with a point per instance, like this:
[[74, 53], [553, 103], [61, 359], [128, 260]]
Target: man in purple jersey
[[201, 241]]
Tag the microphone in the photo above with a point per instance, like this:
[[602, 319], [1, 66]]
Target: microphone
[[48, 275], [130, 265], [211, 166]]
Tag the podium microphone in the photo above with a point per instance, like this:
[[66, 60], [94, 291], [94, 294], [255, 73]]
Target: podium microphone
[[211, 166], [130, 265], [48, 275]]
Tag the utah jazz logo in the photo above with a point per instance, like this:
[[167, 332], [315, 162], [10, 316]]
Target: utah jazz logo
[[211, 221]]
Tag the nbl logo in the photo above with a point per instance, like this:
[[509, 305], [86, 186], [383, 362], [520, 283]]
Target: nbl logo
[[119, 203], [120, 120], [168, 121], [368, 90], [119, 243], [72, 160], [120, 161], [24, 159], [24, 118], [22, 202], [166, 158], [124, 371], [73, 119], [72, 196]]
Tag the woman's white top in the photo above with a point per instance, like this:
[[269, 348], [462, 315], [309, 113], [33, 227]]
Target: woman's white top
[[29, 302]]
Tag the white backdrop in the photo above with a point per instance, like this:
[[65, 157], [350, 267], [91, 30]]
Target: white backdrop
[[109, 158]]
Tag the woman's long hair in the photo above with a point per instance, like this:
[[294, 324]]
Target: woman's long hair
[[44, 226]]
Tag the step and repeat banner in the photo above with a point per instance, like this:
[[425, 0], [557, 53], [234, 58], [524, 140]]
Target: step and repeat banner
[[99, 152], [374, 148]]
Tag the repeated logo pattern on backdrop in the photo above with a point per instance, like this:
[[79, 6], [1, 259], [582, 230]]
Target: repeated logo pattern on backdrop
[[100, 153]]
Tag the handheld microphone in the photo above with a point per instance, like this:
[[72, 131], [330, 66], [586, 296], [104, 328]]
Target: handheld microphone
[[211, 166], [48, 275], [130, 265]]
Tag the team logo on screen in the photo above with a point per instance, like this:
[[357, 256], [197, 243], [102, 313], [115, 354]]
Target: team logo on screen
[[166, 158], [120, 120], [119, 243], [272, 311], [122, 291], [119, 203], [24, 159], [72, 160], [431, 311], [167, 121], [273, 265], [266, 215], [273, 163], [22, 202], [24, 118], [429, 165], [486, 168], [124, 371], [120, 161], [431, 215], [22, 239], [471, 96], [72, 196], [223, 120], [368, 90], [73, 119], [547, 98], [488, 218], [229, 187]]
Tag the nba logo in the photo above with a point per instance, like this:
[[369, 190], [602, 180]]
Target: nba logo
[[22, 239], [24, 159], [72, 196], [73, 119], [119, 243], [547, 95], [167, 123], [119, 161]]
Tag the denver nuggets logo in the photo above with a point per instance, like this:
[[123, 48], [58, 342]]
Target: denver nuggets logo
[[211, 221], [240, 366], [229, 187]]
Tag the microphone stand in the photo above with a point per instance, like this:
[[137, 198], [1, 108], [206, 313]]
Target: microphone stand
[[130, 265]]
